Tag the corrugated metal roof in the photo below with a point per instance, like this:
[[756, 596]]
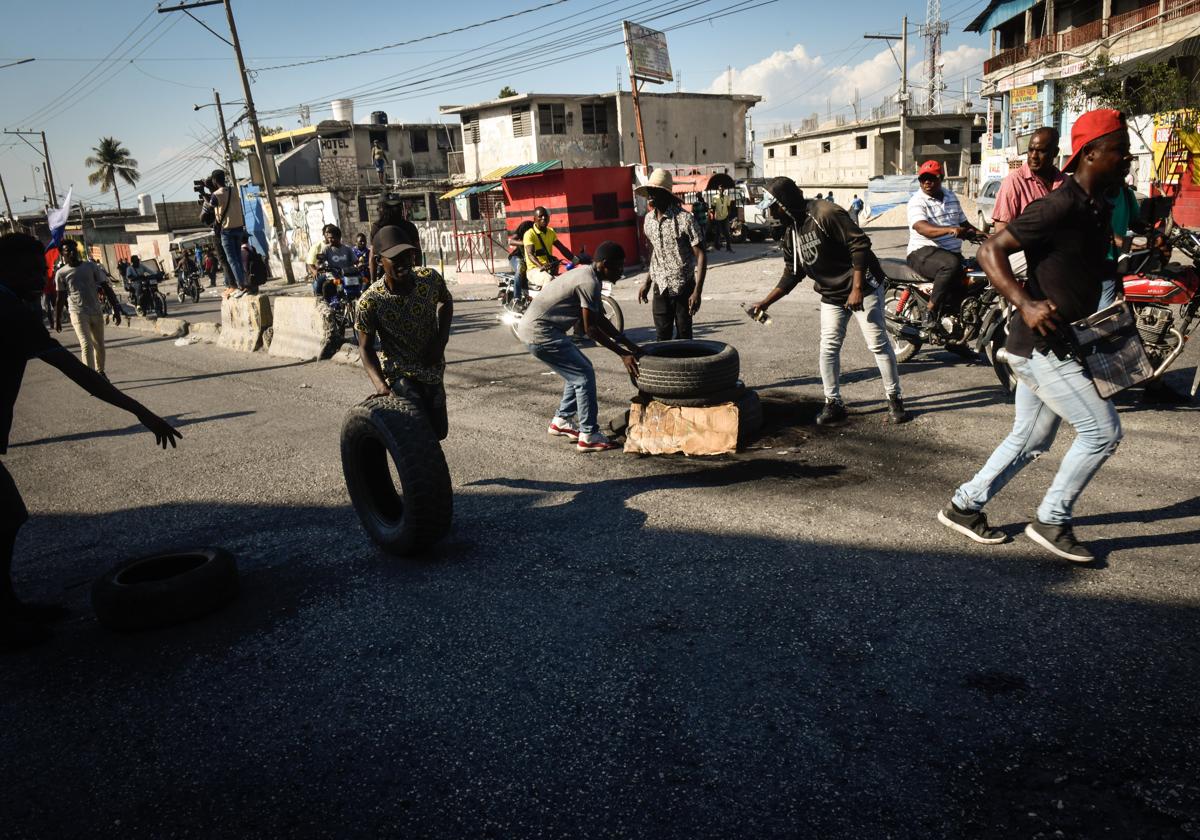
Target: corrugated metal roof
[[533, 168], [497, 173], [482, 188], [453, 193]]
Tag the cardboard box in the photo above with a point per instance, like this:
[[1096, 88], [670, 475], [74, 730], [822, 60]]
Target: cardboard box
[[659, 429]]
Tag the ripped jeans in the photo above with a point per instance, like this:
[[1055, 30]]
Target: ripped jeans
[[1050, 390]]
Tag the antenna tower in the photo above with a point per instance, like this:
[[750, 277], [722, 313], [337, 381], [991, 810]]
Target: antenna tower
[[933, 31]]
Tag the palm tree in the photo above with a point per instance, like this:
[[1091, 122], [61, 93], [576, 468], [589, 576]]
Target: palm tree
[[112, 161]]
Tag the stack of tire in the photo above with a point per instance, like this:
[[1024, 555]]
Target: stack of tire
[[696, 373]]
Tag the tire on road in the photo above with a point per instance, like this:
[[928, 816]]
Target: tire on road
[[416, 516], [750, 417], [729, 395], [687, 368], [612, 311], [165, 588]]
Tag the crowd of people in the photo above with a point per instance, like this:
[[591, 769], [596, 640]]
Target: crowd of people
[[1057, 226]]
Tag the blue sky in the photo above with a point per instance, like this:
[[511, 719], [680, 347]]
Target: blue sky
[[124, 71]]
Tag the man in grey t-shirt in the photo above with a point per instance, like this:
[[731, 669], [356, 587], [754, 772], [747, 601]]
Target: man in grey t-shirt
[[561, 302], [80, 283]]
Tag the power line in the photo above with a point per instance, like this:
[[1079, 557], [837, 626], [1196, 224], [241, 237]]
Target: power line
[[415, 40]]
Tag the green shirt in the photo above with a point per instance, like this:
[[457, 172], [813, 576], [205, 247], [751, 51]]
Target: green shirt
[[1124, 210], [406, 323]]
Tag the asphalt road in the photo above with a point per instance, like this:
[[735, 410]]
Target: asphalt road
[[778, 643]]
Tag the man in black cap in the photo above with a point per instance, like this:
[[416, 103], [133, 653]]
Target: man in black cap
[[409, 309]]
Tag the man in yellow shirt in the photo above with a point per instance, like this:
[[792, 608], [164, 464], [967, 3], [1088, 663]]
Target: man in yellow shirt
[[539, 241], [720, 213]]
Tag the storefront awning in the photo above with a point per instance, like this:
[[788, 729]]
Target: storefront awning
[[474, 189]]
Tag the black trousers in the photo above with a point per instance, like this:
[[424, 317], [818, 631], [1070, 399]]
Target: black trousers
[[12, 515], [944, 268], [672, 315], [430, 397]]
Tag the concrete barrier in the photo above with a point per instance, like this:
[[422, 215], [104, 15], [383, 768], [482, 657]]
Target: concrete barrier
[[301, 328], [205, 330], [243, 321], [171, 327]]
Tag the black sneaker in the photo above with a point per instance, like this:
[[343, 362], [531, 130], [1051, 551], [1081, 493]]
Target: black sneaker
[[1060, 540], [972, 524], [896, 412], [833, 414]]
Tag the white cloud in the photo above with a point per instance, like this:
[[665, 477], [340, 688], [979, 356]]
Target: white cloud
[[795, 84]]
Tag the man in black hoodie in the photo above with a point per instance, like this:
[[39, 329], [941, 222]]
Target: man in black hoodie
[[820, 241]]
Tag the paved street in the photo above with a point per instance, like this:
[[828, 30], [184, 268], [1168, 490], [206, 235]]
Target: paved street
[[778, 643]]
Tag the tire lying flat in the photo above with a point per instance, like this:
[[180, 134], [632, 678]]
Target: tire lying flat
[[165, 588], [416, 517], [688, 368]]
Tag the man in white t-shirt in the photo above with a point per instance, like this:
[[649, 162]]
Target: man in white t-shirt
[[937, 226]]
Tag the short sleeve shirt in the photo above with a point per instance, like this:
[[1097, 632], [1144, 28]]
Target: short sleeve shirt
[[1020, 189], [943, 212], [406, 323], [559, 305], [81, 283], [342, 258], [720, 208], [672, 238], [541, 242], [23, 336], [1065, 237]]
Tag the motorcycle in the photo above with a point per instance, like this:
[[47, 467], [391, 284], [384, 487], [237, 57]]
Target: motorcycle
[[979, 325], [1165, 298], [188, 286], [145, 296], [512, 311], [341, 292]]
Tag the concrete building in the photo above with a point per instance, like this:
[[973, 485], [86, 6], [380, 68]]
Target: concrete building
[[843, 155], [1036, 48], [683, 131]]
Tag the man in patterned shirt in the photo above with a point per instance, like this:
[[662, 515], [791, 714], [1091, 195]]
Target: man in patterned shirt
[[677, 259], [410, 310]]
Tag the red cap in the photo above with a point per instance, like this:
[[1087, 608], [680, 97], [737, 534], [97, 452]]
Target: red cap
[[930, 167], [1090, 126]]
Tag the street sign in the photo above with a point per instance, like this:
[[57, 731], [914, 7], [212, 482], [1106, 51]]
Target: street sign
[[647, 50]]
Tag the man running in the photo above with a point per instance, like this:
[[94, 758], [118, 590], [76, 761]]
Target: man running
[[23, 337], [1066, 237], [820, 241], [409, 309], [575, 296], [677, 259]]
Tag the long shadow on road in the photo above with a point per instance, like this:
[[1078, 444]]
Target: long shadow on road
[[571, 664]]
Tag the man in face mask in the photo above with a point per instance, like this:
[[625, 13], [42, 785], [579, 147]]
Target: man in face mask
[[820, 241], [410, 311]]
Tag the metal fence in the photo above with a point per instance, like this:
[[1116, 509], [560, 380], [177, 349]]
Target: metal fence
[[479, 246]]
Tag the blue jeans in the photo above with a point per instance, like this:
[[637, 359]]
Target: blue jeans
[[1108, 292], [518, 267], [1049, 391], [834, 319], [579, 393], [231, 244]]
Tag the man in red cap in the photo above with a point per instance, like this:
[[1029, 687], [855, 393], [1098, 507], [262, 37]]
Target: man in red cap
[[937, 226], [1065, 237]]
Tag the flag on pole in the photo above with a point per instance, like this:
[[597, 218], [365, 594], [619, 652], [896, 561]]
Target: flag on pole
[[57, 221]]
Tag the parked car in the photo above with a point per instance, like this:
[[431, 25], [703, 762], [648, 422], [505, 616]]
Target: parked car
[[987, 203]]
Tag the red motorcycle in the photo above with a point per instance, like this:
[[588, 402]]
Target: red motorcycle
[[1165, 298]]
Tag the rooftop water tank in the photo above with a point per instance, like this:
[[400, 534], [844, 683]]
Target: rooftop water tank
[[343, 110], [145, 204], [378, 118]]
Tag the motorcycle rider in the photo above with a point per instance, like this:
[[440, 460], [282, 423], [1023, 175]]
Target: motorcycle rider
[[937, 226], [337, 257], [538, 242], [516, 259], [137, 274], [1066, 237], [820, 241]]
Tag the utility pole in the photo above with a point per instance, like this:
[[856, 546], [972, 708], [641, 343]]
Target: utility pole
[[45, 153], [7, 206], [251, 114], [902, 97]]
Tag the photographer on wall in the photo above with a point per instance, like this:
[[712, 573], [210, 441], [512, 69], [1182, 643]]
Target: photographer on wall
[[222, 208]]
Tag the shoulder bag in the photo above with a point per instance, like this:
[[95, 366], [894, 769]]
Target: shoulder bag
[[1108, 345]]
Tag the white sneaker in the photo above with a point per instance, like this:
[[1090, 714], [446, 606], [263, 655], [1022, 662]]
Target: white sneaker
[[594, 442], [239, 293], [563, 427]]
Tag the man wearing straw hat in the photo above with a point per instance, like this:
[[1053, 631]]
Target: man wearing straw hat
[[677, 260]]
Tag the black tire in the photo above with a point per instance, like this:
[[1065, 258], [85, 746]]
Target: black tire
[[963, 351], [728, 395], [196, 293], [688, 368], [419, 515], [160, 305], [905, 348], [1004, 374], [165, 588], [180, 292], [777, 234], [612, 311], [750, 417]]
